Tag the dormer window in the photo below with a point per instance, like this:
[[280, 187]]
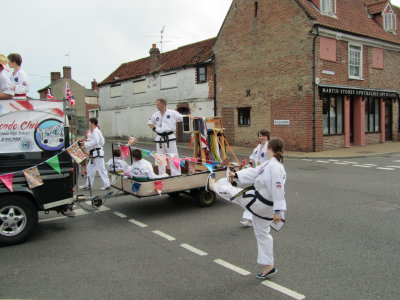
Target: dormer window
[[328, 7], [389, 21]]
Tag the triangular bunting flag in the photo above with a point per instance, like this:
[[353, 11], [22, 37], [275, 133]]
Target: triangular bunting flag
[[244, 161], [135, 187], [209, 167], [176, 161], [7, 180], [54, 163], [158, 186], [124, 151], [33, 178], [183, 163], [76, 153]]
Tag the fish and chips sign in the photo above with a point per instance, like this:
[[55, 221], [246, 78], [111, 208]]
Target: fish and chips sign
[[31, 126]]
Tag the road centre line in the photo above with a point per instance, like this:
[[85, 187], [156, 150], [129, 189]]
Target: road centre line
[[164, 235], [362, 166], [372, 165], [136, 222], [322, 161], [53, 219], [194, 250], [80, 212], [397, 167], [117, 213], [333, 160], [232, 267], [283, 290], [341, 163], [306, 159], [350, 162], [389, 169], [102, 208]]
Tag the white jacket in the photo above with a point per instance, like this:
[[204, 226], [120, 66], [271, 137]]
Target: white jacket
[[120, 165], [269, 181]]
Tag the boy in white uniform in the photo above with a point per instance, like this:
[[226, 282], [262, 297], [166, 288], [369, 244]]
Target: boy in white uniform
[[258, 156], [163, 123], [94, 144], [117, 164], [265, 199], [19, 78], [6, 91], [142, 169]]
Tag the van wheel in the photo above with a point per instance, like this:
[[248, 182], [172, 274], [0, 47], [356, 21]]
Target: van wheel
[[205, 198], [18, 217]]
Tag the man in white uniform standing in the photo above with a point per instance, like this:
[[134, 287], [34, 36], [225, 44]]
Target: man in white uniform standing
[[163, 123], [19, 78], [94, 144], [6, 91]]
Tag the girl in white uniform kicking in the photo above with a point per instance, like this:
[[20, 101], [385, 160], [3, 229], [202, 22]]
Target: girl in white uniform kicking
[[258, 156], [265, 199]]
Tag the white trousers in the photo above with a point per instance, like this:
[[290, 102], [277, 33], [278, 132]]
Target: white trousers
[[265, 243], [247, 215], [173, 150], [92, 168]]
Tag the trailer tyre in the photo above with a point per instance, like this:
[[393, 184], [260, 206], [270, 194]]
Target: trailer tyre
[[18, 217], [205, 198]]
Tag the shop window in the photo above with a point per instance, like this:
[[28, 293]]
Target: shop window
[[244, 116], [201, 74], [332, 115], [372, 114], [355, 62]]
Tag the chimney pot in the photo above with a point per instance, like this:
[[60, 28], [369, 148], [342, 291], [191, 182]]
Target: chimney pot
[[154, 46], [154, 58], [67, 72], [54, 76], [94, 85]]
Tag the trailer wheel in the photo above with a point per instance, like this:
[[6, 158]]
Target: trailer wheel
[[205, 198], [18, 217]]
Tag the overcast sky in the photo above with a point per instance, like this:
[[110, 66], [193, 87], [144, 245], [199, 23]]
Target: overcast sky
[[99, 35]]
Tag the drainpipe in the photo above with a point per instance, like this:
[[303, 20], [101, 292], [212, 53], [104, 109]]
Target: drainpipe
[[215, 87], [315, 85]]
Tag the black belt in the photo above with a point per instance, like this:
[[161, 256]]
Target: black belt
[[91, 153], [254, 197], [165, 138]]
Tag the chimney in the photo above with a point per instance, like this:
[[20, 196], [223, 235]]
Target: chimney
[[67, 72], [154, 58], [94, 85], [54, 76]]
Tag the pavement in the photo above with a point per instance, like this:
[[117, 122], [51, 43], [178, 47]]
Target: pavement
[[352, 152]]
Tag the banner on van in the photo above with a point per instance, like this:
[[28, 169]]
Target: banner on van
[[31, 126]]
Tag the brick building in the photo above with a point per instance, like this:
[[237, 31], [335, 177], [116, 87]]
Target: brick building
[[321, 74], [184, 77]]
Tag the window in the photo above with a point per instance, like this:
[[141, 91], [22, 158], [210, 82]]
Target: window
[[355, 62], [168, 81], [328, 7], [115, 91], [372, 114], [244, 116], [201, 74], [389, 22], [187, 128], [93, 113], [332, 115], [139, 86]]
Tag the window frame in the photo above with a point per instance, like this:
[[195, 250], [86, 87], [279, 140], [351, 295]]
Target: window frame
[[328, 98], [95, 111], [393, 22], [198, 81], [368, 113], [243, 109], [115, 85], [133, 86], [361, 60], [332, 7]]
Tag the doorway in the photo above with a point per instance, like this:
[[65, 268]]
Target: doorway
[[183, 134], [351, 120], [388, 119]]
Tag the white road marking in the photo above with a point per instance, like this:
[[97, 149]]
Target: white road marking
[[117, 213], [194, 250], [103, 208], [52, 219], [389, 169], [350, 162], [396, 161], [333, 160], [306, 159], [372, 165], [140, 224], [341, 163], [397, 167], [362, 166], [283, 290], [322, 161], [164, 235], [80, 212], [232, 267]]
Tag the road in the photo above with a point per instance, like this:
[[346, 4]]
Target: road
[[341, 241]]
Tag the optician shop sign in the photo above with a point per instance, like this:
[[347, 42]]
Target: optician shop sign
[[358, 92]]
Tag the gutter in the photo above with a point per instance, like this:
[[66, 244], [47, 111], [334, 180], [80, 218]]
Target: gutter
[[315, 86], [215, 86]]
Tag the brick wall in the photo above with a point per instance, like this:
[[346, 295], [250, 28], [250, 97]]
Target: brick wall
[[265, 62], [333, 142]]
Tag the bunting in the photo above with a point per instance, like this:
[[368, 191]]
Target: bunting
[[209, 167], [125, 151], [32, 177], [76, 153], [7, 180], [54, 163], [158, 186], [135, 187]]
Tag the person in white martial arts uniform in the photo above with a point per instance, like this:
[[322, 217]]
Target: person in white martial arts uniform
[[265, 199], [163, 123], [258, 156], [6, 91], [116, 163], [19, 78], [94, 144], [142, 169]]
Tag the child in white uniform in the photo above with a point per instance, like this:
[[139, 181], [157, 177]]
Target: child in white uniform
[[265, 199], [142, 169], [19, 78], [258, 156], [6, 91], [117, 164]]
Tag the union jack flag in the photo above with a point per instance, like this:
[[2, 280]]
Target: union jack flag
[[69, 96], [49, 96]]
